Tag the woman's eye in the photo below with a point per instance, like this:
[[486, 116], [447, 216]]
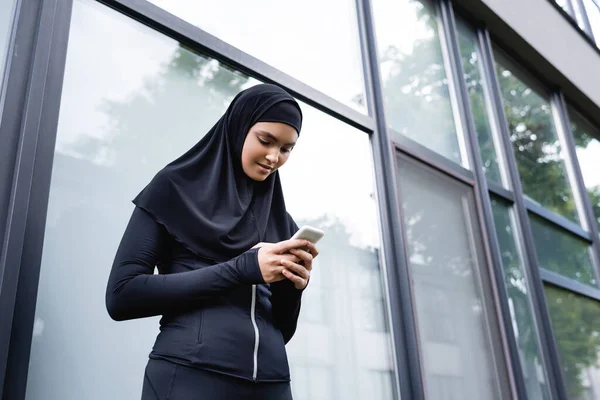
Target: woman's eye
[[263, 142], [284, 150]]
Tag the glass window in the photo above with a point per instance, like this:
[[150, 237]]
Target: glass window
[[519, 299], [587, 146], [592, 10], [415, 84], [7, 12], [350, 334], [457, 326], [578, 14], [314, 41], [576, 325], [562, 252], [563, 4], [539, 153], [473, 75], [144, 101]]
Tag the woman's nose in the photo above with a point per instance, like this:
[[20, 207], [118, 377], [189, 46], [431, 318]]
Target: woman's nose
[[273, 156]]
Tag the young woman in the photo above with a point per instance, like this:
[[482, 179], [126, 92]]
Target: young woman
[[214, 222]]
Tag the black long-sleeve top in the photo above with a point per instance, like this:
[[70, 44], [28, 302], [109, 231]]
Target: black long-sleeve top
[[221, 317]]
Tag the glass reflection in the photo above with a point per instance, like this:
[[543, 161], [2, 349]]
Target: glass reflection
[[576, 325], [473, 76], [538, 151], [562, 252], [142, 103], [519, 298], [7, 13], [587, 146], [343, 327], [314, 41], [452, 294], [592, 10], [563, 5], [415, 83]]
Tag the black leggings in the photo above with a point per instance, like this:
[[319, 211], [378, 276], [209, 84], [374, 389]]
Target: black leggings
[[164, 380]]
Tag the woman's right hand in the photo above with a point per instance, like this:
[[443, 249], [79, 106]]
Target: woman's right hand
[[271, 255]]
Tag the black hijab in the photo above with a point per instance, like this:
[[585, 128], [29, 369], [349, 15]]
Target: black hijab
[[206, 201]]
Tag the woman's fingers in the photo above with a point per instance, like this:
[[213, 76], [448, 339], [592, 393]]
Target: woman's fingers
[[298, 281], [295, 268], [303, 256], [312, 249]]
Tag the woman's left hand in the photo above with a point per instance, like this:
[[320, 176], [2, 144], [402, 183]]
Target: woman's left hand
[[299, 274]]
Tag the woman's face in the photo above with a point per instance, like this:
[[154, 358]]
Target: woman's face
[[266, 148]]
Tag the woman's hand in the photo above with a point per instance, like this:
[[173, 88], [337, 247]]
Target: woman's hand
[[300, 274], [275, 258]]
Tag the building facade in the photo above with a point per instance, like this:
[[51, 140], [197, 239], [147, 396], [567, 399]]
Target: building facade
[[450, 150]]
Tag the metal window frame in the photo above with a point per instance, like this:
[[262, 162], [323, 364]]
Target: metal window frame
[[34, 81], [588, 233], [39, 79], [511, 352], [407, 357], [207, 44], [548, 346], [582, 198], [557, 220], [571, 16], [35, 54], [587, 26], [428, 157]]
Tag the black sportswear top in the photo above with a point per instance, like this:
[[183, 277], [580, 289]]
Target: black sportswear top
[[221, 317]]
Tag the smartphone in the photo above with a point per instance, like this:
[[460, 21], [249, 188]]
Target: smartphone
[[309, 233]]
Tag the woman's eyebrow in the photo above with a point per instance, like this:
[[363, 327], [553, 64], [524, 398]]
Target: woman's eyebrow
[[272, 137]]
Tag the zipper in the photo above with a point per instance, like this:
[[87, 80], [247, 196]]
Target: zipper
[[256, 334]]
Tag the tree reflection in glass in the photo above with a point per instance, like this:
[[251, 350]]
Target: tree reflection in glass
[[587, 145], [537, 149], [473, 76], [519, 298], [562, 252], [415, 83], [576, 326]]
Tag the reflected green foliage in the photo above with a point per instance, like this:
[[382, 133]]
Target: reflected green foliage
[[583, 139], [576, 325], [535, 142], [473, 77], [415, 88], [562, 252], [519, 296]]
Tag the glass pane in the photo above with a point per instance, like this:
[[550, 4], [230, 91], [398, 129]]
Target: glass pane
[[587, 146], [143, 103], [343, 339], [519, 299], [562, 252], [456, 321], [576, 326], [320, 48], [473, 75], [563, 5], [593, 14], [415, 83], [7, 12], [539, 153]]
